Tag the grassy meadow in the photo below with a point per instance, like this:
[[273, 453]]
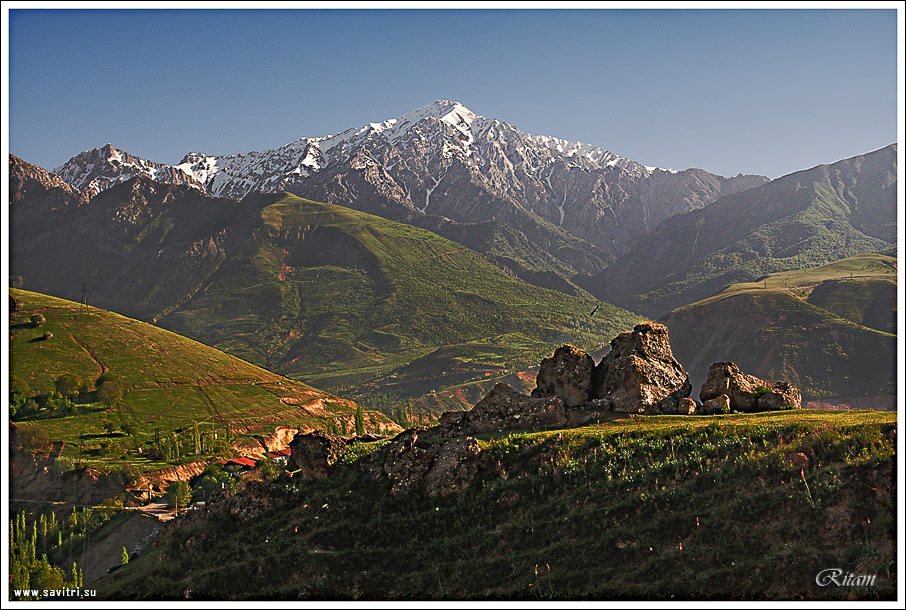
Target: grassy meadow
[[744, 507]]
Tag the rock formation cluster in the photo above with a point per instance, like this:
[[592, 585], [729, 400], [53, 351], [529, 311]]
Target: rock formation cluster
[[639, 375], [729, 388]]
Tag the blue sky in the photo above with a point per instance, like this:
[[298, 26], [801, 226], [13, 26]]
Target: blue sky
[[767, 92]]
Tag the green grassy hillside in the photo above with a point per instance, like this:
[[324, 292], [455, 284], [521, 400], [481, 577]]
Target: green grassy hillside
[[322, 293], [450, 378], [332, 294], [530, 248], [633, 509], [805, 219], [830, 330], [156, 382]]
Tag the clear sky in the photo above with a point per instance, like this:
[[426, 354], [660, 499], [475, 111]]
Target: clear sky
[[730, 91]]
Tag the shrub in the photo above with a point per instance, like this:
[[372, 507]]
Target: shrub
[[31, 438], [267, 469], [69, 385], [221, 447], [19, 386], [18, 395], [36, 320], [62, 465], [212, 479], [129, 475], [761, 390]]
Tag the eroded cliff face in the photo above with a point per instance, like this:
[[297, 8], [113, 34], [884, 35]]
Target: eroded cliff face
[[32, 479]]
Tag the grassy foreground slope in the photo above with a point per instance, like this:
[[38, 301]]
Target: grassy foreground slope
[[337, 296], [831, 330], [168, 384], [637, 508]]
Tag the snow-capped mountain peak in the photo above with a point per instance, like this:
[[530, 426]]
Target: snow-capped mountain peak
[[440, 159], [100, 168]]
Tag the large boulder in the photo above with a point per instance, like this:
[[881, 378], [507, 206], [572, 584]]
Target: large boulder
[[434, 468], [454, 467], [640, 374], [747, 393], [686, 406], [315, 452], [503, 409], [715, 406], [566, 375]]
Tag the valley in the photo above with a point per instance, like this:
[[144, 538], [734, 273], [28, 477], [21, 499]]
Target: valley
[[339, 352]]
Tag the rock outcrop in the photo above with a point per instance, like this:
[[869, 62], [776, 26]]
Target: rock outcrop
[[747, 393], [687, 406], [715, 406], [504, 409], [436, 469], [566, 375], [315, 452], [640, 374]]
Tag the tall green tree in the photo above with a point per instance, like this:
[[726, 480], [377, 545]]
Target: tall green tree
[[360, 420], [109, 393], [178, 495]]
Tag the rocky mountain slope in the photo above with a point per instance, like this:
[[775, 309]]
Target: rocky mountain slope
[[804, 219], [443, 160]]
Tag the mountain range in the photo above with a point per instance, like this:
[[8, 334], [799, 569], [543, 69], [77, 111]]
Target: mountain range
[[405, 277], [445, 160], [804, 219], [315, 291]]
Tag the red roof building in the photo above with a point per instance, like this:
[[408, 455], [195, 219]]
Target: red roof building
[[242, 461]]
